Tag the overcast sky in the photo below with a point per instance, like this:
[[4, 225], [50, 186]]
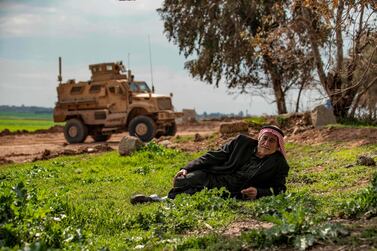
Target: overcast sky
[[34, 33]]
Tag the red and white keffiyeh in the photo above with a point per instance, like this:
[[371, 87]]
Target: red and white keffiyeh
[[277, 134]]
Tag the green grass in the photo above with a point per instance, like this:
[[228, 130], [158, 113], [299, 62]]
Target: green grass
[[183, 138], [82, 202], [257, 120], [25, 121], [25, 115], [25, 124], [352, 122]]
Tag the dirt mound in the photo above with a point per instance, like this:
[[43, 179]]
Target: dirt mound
[[6, 132], [53, 129], [47, 154], [351, 136], [5, 161], [303, 135]]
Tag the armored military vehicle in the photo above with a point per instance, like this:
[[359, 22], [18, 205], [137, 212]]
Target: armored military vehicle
[[112, 101]]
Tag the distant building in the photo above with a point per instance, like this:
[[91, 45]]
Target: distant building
[[189, 115]]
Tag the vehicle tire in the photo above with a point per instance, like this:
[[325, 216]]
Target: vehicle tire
[[99, 137], [142, 127], [75, 131], [171, 130]]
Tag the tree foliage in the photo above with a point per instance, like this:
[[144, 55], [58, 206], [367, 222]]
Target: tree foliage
[[244, 42], [276, 44]]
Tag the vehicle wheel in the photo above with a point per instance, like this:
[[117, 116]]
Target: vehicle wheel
[[171, 130], [99, 137], [75, 131], [142, 127]]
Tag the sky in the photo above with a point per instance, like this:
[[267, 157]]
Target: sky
[[34, 33]]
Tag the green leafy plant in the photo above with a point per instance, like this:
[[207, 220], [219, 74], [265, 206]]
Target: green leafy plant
[[365, 202], [25, 218]]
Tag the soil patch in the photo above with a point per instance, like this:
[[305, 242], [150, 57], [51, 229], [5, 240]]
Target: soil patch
[[21, 147], [349, 136], [237, 227]]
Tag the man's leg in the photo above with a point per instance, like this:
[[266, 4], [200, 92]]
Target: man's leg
[[189, 184]]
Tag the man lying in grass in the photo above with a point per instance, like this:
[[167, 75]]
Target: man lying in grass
[[247, 168]]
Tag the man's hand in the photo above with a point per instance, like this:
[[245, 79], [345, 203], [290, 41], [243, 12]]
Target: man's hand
[[250, 193], [181, 173]]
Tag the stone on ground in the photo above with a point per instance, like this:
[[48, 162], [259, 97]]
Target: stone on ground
[[322, 116], [234, 127], [129, 144]]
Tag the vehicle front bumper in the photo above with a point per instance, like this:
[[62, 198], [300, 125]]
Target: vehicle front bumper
[[168, 115]]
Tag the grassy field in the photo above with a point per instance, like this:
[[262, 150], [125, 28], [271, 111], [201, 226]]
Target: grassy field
[[25, 121], [82, 202]]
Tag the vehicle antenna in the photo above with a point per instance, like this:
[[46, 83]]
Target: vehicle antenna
[[60, 78], [150, 62], [128, 63]]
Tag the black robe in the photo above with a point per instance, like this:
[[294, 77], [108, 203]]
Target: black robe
[[271, 171]]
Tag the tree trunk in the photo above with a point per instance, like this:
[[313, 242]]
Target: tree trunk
[[342, 103], [299, 96], [355, 105], [341, 99], [276, 85], [336, 88]]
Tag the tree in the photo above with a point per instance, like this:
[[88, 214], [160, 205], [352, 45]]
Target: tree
[[366, 74], [330, 27], [247, 43]]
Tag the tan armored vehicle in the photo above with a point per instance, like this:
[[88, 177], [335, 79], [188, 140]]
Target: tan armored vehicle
[[109, 102]]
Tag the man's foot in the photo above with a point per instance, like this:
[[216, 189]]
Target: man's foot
[[140, 198]]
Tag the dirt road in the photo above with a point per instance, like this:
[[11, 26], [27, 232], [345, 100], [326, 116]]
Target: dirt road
[[26, 147]]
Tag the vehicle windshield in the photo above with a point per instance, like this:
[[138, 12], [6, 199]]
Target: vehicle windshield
[[140, 87]]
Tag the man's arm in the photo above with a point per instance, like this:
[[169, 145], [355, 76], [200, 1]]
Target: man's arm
[[278, 184], [213, 158]]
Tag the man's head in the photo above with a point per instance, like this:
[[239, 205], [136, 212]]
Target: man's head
[[270, 140]]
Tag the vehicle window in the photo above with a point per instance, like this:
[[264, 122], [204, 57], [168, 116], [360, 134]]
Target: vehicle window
[[109, 67], [76, 89], [95, 88], [139, 87], [112, 89]]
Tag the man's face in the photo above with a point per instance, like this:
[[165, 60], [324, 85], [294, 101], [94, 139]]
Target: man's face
[[267, 144]]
